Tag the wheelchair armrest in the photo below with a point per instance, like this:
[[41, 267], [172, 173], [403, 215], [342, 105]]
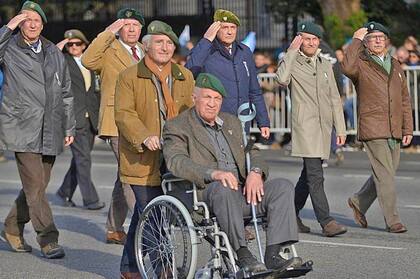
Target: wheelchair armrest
[[169, 176]]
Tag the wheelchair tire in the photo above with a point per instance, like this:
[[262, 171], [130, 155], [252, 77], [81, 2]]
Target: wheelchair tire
[[166, 240]]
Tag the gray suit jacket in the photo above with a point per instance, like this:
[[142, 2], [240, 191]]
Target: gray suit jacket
[[188, 151]]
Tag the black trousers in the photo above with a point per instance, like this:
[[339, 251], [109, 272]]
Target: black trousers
[[311, 182], [79, 172]]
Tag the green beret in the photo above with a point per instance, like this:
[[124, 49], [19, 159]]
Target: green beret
[[131, 13], [32, 6], [76, 34], [375, 26], [158, 27], [226, 16], [206, 80], [310, 28]]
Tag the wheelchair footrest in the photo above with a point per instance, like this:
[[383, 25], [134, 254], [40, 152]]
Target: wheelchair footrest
[[292, 272]]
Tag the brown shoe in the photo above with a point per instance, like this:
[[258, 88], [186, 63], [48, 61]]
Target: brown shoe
[[116, 238], [301, 227], [359, 217], [16, 243], [397, 228], [130, 275], [333, 228]]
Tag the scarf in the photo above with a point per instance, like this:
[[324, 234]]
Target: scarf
[[162, 75]]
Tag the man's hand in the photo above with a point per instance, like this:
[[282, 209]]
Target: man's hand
[[360, 33], [68, 140], [152, 143], [14, 22], [212, 31], [407, 140], [226, 178], [341, 140], [296, 43], [61, 44], [116, 26], [265, 132], [254, 188]]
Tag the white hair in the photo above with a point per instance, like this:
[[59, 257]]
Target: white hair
[[146, 41]]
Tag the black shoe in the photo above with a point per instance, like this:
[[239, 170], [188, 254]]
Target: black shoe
[[95, 206], [53, 251], [248, 262], [278, 263], [301, 227], [64, 201]]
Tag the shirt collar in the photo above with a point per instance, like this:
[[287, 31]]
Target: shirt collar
[[127, 47], [218, 122]]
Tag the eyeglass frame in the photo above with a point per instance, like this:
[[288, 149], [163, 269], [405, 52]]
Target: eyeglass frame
[[372, 38]]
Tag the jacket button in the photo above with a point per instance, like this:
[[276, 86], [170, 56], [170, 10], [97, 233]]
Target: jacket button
[[314, 74], [155, 100]]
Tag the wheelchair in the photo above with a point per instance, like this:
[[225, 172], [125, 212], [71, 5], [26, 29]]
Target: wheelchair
[[171, 228]]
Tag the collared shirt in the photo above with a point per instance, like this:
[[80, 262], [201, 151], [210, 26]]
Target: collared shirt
[[85, 72], [128, 48], [36, 47], [383, 61], [312, 58], [224, 156]]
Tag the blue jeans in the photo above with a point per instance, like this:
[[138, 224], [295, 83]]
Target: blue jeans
[[143, 194]]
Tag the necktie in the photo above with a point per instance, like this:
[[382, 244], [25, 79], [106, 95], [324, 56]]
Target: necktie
[[134, 53]]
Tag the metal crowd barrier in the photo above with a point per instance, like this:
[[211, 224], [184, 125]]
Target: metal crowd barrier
[[280, 103]]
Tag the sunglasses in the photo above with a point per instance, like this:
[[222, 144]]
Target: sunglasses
[[74, 44]]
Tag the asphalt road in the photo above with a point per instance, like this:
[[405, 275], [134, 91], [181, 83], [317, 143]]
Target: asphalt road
[[361, 253]]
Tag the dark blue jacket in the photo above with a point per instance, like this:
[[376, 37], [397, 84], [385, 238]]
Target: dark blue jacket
[[1, 85], [237, 72]]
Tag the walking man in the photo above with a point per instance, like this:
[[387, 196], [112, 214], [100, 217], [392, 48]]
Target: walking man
[[36, 117], [232, 62], [384, 119], [108, 56], [148, 94], [86, 108], [316, 109]]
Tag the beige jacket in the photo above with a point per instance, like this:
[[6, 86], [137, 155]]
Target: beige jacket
[[316, 103], [108, 57]]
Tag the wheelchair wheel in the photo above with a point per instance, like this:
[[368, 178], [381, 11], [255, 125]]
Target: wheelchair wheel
[[166, 241]]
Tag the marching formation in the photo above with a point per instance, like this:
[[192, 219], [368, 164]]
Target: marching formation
[[159, 116]]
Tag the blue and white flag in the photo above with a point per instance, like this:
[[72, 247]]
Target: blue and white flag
[[250, 41], [184, 37]]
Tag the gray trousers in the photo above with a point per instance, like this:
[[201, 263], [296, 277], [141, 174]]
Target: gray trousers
[[32, 203], [384, 163], [79, 172], [122, 197], [230, 208]]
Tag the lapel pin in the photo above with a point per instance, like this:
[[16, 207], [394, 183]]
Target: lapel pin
[[230, 132]]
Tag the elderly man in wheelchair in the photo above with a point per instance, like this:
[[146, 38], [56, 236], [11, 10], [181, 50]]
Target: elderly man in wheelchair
[[205, 147]]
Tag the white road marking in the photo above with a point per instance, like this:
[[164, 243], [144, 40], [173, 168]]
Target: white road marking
[[351, 245], [105, 187], [412, 206], [365, 176], [11, 181], [105, 165]]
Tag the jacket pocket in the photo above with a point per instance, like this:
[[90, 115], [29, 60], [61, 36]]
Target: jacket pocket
[[365, 111]]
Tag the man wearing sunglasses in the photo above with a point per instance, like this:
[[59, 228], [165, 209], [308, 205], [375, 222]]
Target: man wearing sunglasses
[[86, 108], [111, 52], [384, 119]]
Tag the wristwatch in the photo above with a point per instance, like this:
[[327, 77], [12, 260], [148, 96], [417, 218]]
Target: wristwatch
[[257, 170]]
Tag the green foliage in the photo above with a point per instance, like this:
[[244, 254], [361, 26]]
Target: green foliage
[[338, 31]]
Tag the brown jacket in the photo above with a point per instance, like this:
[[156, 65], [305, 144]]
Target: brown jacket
[[189, 153], [384, 109], [108, 57], [137, 116]]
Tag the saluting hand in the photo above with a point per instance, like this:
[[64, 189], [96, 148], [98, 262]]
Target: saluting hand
[[14, 22], [211, 33], [296, 43], [61, 44], [360, 33], [116, 26]]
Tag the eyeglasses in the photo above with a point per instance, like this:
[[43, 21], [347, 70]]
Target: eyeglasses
[[381, 38], [74, 44]]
